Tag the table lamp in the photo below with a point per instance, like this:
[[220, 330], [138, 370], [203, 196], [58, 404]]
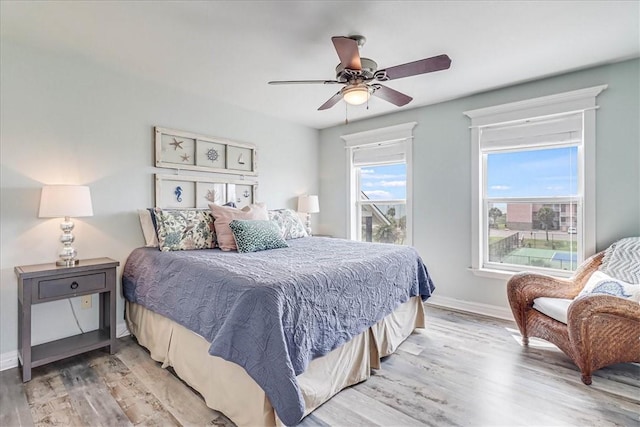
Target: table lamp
[[57, 201], [308, 205]]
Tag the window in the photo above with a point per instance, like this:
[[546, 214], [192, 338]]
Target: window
[[382, 203], [379, 163], [534, 184], [531, 203]]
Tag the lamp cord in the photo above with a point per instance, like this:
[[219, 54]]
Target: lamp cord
[[74, 316]]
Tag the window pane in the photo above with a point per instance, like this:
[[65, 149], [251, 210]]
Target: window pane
[[383, 223], [533, 234], [533, 173], [385, 182]]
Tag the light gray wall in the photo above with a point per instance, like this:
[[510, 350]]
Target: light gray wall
[[442, 177], [68, 120]]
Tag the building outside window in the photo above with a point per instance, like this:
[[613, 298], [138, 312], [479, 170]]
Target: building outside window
[[379, 170], [382, 203], [534, 184], [525, 191]]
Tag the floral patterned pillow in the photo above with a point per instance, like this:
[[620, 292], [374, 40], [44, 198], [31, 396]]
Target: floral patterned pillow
[[290, 224], [183, 230], [256, 235]]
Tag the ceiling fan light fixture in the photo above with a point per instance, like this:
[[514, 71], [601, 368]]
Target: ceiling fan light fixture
[[356, 94]]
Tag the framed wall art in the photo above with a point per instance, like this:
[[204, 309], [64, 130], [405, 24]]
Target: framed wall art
[[197, 192], [177, 149]]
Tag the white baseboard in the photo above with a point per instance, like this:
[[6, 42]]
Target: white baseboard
[[122, 330], [9, 359], [471, 307]]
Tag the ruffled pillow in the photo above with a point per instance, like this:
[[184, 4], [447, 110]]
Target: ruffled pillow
[[223, 216], [601, 283], [289, 222], [256, 235]]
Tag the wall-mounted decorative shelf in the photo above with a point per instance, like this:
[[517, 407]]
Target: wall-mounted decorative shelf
[[178, 149], [178, 191]]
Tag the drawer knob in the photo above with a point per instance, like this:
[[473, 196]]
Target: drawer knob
[[74, 285]]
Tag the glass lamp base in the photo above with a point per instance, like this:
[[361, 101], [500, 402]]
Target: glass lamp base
[[68, 253]]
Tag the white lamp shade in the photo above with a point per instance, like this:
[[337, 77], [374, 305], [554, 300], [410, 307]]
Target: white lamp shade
[[308, 204], [58, 201]]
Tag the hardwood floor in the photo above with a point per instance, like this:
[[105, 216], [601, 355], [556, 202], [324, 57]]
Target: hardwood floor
[[462, 370]]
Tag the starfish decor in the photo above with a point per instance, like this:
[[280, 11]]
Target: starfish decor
[[185, 157], [176, 144]]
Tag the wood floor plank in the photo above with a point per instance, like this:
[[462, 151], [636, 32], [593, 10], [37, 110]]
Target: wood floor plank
[[373, 412], [185, 405], [136, 400], [14, 408], [336, 414], [90, 396], [49, 401]]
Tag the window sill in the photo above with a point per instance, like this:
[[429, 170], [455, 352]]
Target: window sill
[[506, 275], [492, 274]]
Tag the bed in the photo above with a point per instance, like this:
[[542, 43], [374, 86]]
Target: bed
[[266, 337]]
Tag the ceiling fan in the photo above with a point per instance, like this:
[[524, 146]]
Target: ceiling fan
[[361, 77]]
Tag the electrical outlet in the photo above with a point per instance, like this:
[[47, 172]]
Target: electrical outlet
[[86, 301]]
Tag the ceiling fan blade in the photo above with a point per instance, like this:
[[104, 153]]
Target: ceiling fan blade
[[304, 82], [391, 95], [428, 65], [347, 50], [331, 102]]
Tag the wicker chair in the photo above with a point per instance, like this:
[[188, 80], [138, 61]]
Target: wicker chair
[[601, 330]]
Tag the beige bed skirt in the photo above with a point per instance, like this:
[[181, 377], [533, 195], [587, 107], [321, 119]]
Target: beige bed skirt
[[227, 387]]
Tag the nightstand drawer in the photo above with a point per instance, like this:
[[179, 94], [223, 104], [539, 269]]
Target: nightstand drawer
[[70, 286]]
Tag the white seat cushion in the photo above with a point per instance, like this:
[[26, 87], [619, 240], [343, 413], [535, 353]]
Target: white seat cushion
[[555, 308]]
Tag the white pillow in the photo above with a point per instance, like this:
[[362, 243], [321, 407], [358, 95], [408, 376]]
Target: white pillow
[[148, 229], [601, 283]]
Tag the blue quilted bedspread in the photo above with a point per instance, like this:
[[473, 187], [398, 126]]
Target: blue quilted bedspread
[[272, 312]]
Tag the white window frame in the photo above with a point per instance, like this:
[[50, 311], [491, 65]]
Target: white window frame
[[397, 134], [579, 101]]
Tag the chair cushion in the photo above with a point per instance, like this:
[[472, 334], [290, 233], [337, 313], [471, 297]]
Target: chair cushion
[[556, 308], [601, 283]]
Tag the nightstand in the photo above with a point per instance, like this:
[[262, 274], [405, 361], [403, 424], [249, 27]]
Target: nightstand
[[48, 282]]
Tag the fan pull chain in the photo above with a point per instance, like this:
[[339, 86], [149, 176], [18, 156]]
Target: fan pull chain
[[346, 113]]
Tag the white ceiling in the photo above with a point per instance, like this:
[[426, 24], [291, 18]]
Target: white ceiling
[[229, 50]]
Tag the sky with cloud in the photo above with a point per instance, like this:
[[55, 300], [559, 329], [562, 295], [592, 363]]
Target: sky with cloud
[[541, 172], [384, 182], [533, 173]]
